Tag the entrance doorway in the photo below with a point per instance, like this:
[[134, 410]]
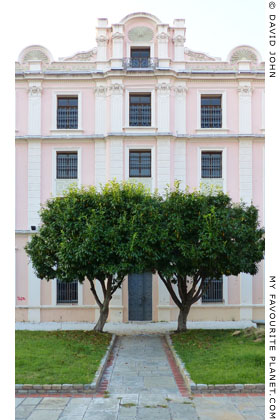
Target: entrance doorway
[[140, 300]]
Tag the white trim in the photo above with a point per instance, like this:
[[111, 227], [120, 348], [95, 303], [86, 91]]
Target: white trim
[[129, 90], [224, 109], [57, 93], [34, 294], [54, 292], [65, 149], [224, 164], [80, 294], [140, 147], [225, 290]]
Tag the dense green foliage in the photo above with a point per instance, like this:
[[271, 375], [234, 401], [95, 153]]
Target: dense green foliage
[[218, 357], [205, 236], [102, 235], [58, 357]]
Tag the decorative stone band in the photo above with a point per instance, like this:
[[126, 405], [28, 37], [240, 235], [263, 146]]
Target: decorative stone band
[[68, 388], [117, 35], [212, 389]]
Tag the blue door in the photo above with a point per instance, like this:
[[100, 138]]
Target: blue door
[[140, 297]]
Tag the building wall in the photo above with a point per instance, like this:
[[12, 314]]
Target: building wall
[[104, 137]]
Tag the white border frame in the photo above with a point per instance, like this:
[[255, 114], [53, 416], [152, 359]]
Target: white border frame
[[224, 164], [54, 294], [57, 93], [224, 108], [128, 91], [143, 146], [65, 149]]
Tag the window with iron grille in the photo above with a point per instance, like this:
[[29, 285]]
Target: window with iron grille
[[67, 165], [211, 111], [214, 293], [140, 57], [211, 165], [67, 112], [140, 110], [66, 292], [140, 163]]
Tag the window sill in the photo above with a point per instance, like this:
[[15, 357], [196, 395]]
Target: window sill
[[137, 129], [212, 130], [66, 132]]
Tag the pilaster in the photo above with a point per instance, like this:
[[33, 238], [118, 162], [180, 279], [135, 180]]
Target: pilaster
[[100, 108], [162, 39], [180, 162], [116, 160], [100, 162], [116, 92], [34, 294], [117, 46], [245, 107], [163, 164], [180, 108], [163, 106], [34, 108]]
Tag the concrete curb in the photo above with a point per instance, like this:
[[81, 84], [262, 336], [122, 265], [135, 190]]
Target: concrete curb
[[212, 389], [69, 388]]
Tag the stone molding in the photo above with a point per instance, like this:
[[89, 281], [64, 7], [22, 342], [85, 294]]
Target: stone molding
[[245, 90], [179, 40], [163, 88], [101, 90], [117, 36], [116, 89], [162, 36], [35, 90], [180, 90], [102, 40]]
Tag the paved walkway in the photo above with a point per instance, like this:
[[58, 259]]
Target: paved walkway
[[141, 383]]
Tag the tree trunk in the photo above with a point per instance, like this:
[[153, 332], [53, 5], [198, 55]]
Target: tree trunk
[[182, 319], [104, 312]]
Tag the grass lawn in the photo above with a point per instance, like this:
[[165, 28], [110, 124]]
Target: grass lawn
[[58, 357], [219, 357]]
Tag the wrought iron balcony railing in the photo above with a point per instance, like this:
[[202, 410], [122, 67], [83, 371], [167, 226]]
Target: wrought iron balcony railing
[[140, 115], [140, 63]]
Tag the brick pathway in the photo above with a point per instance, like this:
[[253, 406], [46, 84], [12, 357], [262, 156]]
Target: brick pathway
[[141, 382]]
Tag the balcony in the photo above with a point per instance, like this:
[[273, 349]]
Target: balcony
[[140, 63]]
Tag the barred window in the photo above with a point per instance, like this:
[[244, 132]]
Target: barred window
[[66, 292], [214, 293], [67, 112], [67, 165], [140, 57], [211, 111], [211, 165], [140, 163], [140, 110]]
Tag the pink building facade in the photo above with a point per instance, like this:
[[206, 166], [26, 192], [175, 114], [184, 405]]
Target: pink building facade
[[140, 106]]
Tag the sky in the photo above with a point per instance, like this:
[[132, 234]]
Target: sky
[[66, 27]]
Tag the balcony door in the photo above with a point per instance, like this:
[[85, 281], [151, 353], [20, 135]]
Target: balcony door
[[140, 57]]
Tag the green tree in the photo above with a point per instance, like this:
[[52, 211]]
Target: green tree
[[98, 236], [203, 236]]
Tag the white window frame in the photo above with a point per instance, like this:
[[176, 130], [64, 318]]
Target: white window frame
[[224, 164], [65, 93], [143, 146], [131, 90], [223, 94], [65, 149]]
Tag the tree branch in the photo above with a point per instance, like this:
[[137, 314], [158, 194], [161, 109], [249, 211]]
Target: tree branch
[[92, 288], [171, 291]]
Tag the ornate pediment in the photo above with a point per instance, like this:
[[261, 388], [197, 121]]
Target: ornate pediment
[[244, 52]]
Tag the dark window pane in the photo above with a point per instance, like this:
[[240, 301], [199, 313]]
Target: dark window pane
[[214, 292], [211, 111], [67, 112], [140, 163], [140, 53], [67, 292], [67, 165], [211, 164], [140, 110]]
